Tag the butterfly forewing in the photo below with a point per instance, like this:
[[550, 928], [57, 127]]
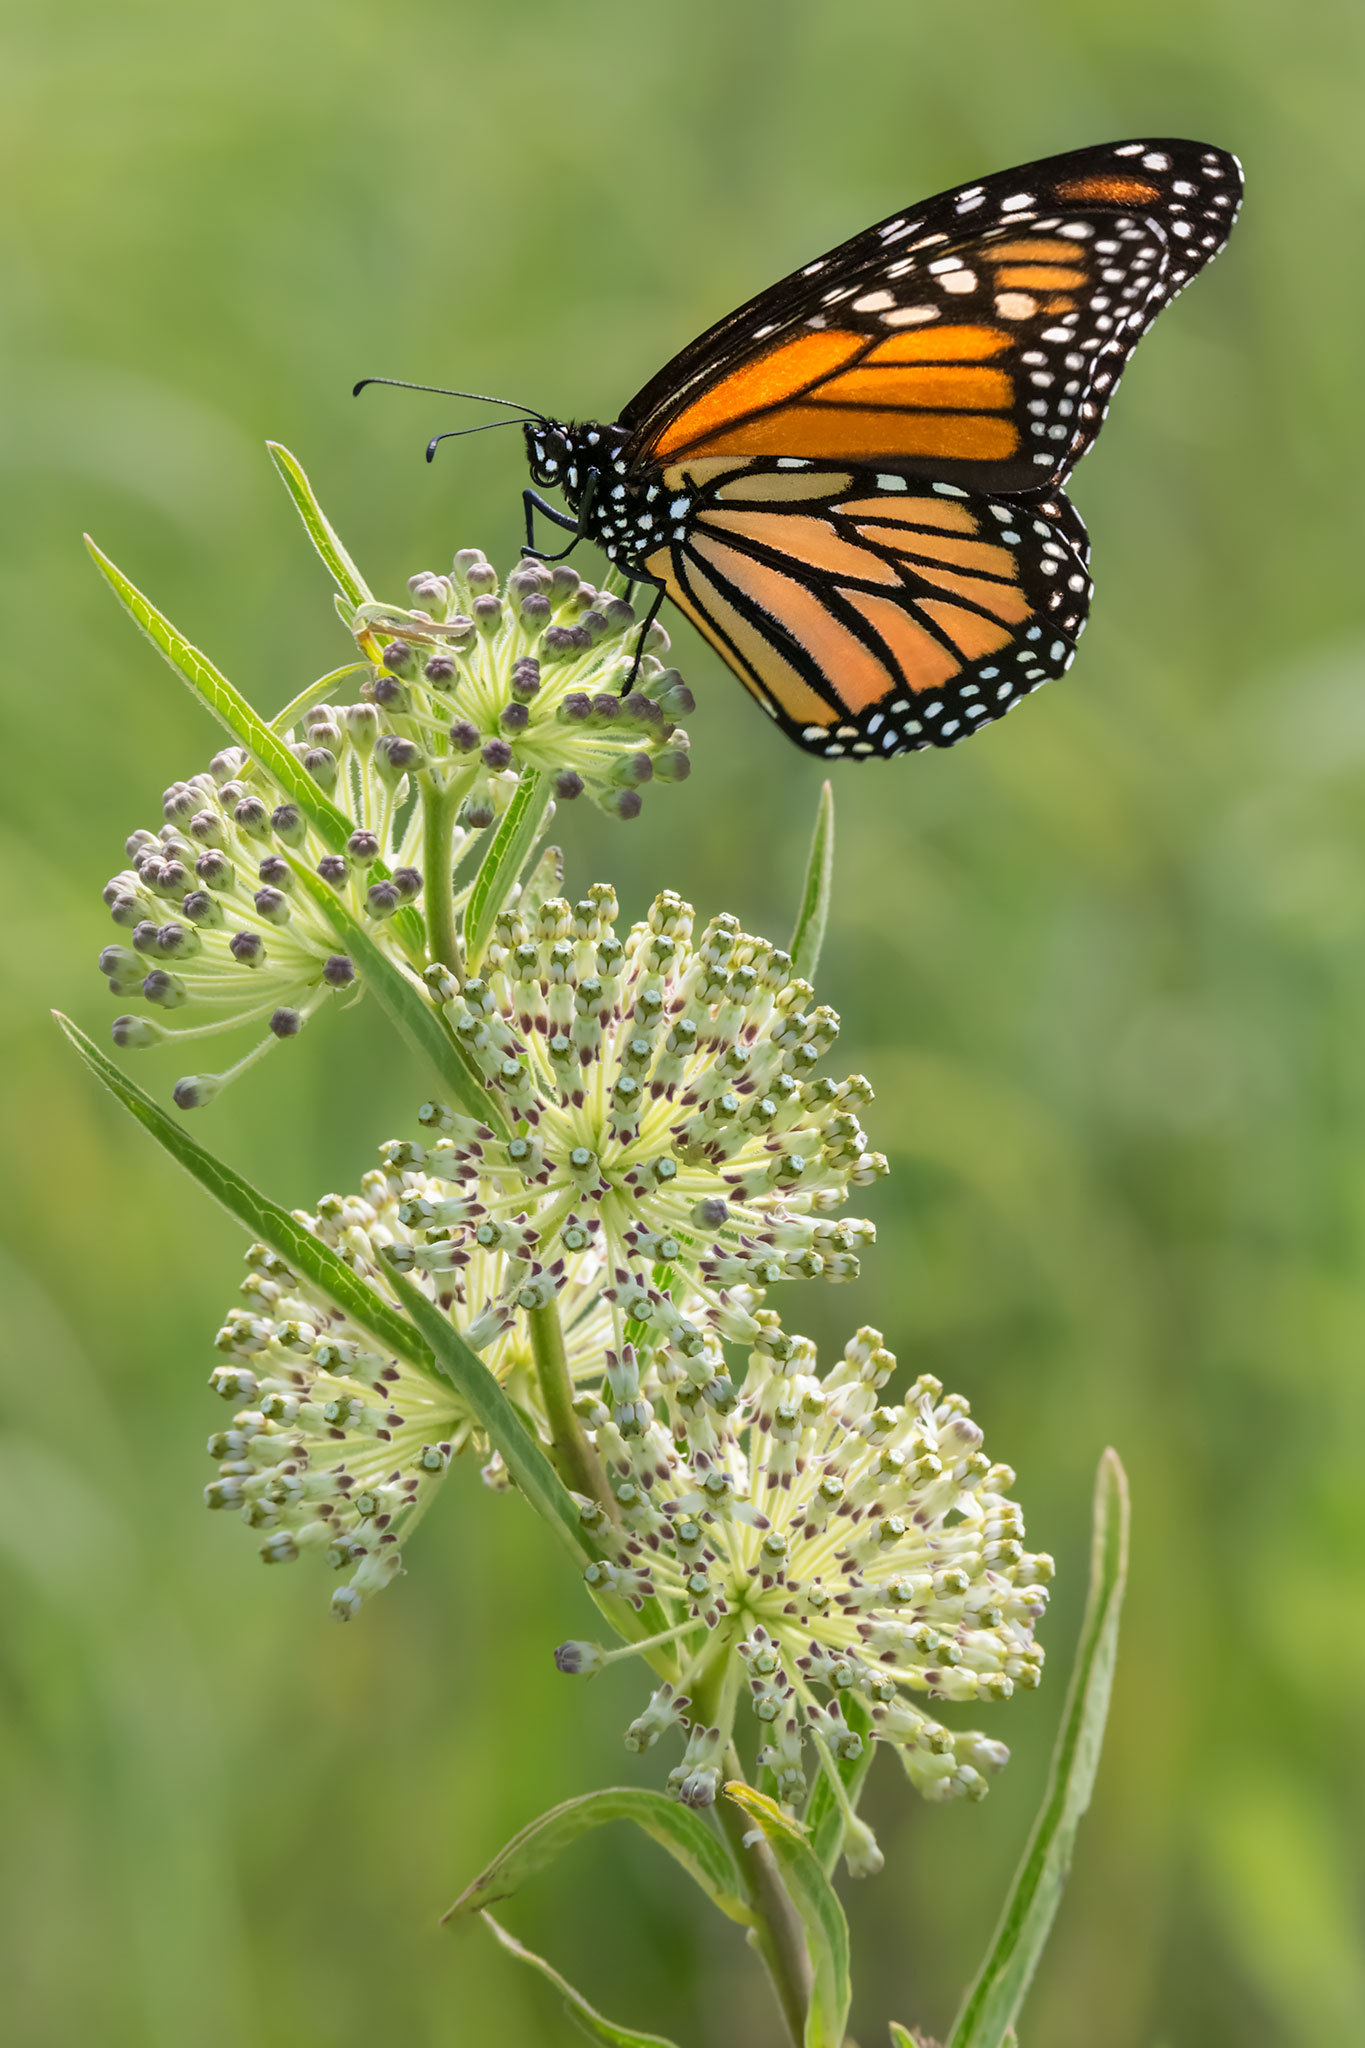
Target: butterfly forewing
[[976, 339], [873, 616]]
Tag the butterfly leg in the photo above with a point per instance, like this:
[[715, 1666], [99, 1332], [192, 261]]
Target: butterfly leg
[[534, 503], [659, 594]]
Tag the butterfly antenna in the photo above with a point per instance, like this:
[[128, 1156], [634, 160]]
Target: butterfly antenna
[[442, 391], [458, 433]]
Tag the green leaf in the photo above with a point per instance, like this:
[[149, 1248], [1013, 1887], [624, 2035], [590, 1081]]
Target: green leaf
[[229, 707], [992, 2004], [513, 840], [809, 934], [526, 1462], [320, 530], [576, 2005], [409, 1006], [675, 1828], [821, 1915], [265, 1219]]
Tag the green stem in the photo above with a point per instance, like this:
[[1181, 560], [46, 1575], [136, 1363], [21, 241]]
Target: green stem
[[574, 1458], [778, 1933], [439, 806]]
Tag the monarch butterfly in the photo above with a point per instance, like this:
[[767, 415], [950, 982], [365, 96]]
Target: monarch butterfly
[[852, 485]]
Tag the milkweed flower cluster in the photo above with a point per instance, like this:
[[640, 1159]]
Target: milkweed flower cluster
[[845, 1562], [337, 1446], [671, 1126], [531, 675], [455, 705], [668, 1167]]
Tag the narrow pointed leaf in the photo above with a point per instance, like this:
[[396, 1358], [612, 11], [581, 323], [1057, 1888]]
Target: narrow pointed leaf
[[526, 1462], [992, 2004], [264, 1219], [512, 842], [821, 1915], [409, 1006], [228, 706], [576, 2005], [809, 934], [323, 535], [675, 1828]]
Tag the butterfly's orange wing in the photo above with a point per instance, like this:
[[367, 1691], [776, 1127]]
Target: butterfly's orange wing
[[976, 340], [871, 616]]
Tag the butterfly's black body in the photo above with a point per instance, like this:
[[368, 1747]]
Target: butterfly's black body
[[853, 484]]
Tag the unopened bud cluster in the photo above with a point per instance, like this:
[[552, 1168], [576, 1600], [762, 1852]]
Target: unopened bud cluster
[[544, 673], [338, 1446], [219, 931], [858, 1560]]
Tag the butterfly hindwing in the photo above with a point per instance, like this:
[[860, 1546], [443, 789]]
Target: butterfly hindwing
[[873, 616], [975, 339]]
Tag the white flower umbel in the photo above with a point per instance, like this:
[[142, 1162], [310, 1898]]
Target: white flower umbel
[[671, 1128], [843, 1562], [338, 1447]]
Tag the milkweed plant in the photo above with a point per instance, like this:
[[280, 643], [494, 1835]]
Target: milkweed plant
[[569, 1276]]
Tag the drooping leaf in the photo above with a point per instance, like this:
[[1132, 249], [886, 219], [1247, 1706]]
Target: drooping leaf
[[992, 2004], [408, 1005], [228, 706], [348, 578], [513, 840], [526, 1462], [808, 935], [576, 2005], [821, 1915], [675, 1828], [264, 1219]]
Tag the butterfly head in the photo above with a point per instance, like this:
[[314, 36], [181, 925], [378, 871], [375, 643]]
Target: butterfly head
[[550, 451]]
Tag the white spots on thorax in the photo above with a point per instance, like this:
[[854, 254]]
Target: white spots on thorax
[[874, 302]]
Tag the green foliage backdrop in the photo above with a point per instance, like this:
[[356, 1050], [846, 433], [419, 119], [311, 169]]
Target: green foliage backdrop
[[1104, 966]]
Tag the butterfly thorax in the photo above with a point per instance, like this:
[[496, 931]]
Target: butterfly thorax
[[625, 507]]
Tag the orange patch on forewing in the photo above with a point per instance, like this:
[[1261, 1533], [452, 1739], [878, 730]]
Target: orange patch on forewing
[[1059, 305], [779, 679], [979, 555], [1039, 277], [941, 512], [766, 381], [783, 485], [972, 634], [923, 662], [941, 345], [1033, 249], [1005, 600], [1113, 190], [828, 434], [850, 668], [944, 384], [805, 539]]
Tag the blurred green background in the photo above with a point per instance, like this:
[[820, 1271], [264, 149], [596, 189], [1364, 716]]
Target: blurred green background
[[1104, 967]]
